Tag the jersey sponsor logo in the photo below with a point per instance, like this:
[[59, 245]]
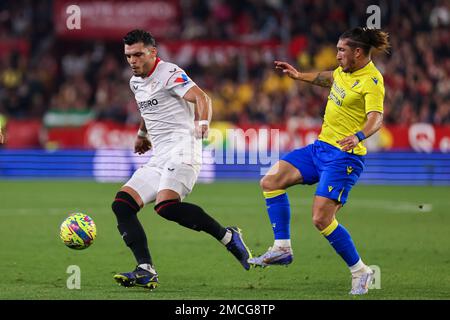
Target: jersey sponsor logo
[[339, 90], [182, 79], [349, 170], [330, 188], [145, 105], [375, 80], [337, 94], [336, 100]]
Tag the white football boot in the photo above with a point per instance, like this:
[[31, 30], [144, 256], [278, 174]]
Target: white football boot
[[361, 281], [273, 256]]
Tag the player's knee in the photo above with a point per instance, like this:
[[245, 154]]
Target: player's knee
[[321, 219], [168, 209], [124, 205], [319, 222], [262, 183], [268, 183]]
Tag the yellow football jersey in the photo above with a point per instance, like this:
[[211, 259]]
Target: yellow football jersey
[[352, 97]]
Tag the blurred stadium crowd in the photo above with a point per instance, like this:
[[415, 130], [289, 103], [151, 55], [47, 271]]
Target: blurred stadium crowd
[[90, 78]]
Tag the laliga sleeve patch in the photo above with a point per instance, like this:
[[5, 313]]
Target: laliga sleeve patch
[[183, 78], [179, 83]]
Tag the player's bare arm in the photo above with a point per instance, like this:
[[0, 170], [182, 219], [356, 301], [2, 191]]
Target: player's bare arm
[[322, 78], [1, 137], [142, 144], [203, 109], [373, 124]]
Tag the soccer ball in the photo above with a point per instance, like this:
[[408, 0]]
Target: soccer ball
[[78, 231]]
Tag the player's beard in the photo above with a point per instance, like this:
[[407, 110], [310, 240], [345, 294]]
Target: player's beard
[[350, 66], [144, 70], [136, 71]]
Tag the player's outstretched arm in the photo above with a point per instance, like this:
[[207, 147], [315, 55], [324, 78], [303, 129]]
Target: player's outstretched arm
[[203, 109], [373, 124], [1, 137], [142, 144], [323, 78]]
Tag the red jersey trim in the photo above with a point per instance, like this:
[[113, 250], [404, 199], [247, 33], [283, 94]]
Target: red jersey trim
[[154, 66]]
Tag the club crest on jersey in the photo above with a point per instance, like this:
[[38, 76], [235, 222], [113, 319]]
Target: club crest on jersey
[[182, 79], [154, 84], [349, 170]]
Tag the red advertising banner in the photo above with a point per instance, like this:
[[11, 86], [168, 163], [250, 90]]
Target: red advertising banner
[[94, 135], [14, 46], [23, 134], [103, 19], [100, 135], [420, 137]]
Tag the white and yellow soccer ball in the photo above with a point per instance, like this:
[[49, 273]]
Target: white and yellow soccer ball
[[78, 231]]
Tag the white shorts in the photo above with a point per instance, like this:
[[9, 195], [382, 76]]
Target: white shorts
[[151, 178]]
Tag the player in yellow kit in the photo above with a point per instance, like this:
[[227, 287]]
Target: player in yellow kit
[[335, 161]]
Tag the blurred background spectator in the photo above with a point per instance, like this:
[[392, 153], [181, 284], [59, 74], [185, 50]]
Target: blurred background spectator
[[67, 82]]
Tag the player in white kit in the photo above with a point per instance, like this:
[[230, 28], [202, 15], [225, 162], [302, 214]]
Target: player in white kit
[[175, 117]]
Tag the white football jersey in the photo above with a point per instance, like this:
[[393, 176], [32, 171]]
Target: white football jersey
[[169, 118]]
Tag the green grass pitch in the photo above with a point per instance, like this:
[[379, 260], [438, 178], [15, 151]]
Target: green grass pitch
[[411, 246]]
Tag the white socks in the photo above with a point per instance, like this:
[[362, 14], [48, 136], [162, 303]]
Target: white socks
[[226, 238], [281, 244], [147, 267], [358, 267]]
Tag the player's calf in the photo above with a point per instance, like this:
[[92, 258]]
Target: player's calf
[[125, 208], [190, 216], [193, 217]]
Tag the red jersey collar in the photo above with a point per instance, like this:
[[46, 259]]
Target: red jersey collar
[[154, 66]]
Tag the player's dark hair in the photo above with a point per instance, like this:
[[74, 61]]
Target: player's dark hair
[[138, 35], [366, 39]]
